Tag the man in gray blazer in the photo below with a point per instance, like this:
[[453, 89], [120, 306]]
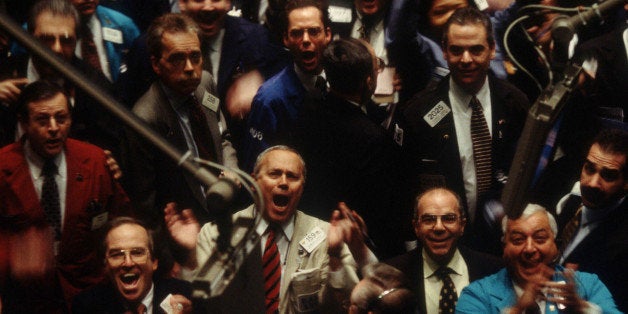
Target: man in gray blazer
[[315, 262], [182, 107]]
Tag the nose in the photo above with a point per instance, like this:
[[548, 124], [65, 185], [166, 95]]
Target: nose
[[595, 180], [208, 5], [56, 46], [283, 181], [127, 259], [188, 65], [438, 226], [53, 126], [529, 247], [466, 56]]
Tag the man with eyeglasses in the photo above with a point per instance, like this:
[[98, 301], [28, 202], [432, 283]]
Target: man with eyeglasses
[[128, 250], [592, 218], [462, 133], [55, 195], [183, 108], [439, 263], [278, 102]]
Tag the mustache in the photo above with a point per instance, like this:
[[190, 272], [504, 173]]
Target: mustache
[[593, 195]]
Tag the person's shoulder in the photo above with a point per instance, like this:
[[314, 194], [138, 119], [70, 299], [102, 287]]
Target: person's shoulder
[[174, 286], [10, 156], [111, 16], [276, 87], [426, 97], [79, 148], [506, 89], [145, 106], [307, 220]]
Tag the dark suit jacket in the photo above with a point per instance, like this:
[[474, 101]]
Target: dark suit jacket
[[245, 46], [350, 158], [411, 264], [604, 251], [91, 192], [431, 155], [104, 298], [154, 179]]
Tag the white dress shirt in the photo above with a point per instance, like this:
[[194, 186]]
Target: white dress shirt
[[36, 165], [461, 111], [433, 284]]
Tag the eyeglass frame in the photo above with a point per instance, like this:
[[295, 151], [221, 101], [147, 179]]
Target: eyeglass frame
[[431, 224], [297, 33], [128, 252]]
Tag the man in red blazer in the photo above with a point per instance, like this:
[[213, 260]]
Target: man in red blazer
[[55, 194]]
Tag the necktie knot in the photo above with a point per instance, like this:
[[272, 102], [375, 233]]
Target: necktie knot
[[443, 272], [49, 169], [475, 104]]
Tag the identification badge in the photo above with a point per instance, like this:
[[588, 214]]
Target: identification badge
[[482, 4], [99, 220], [313, 239], [165, 304], [210, 101], [112, 35], [339, 14], [437, 113]]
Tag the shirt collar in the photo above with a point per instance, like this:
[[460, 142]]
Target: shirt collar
[[287, 227], [148, 299], [37, 162], [456, 263], [215, 43], [465, 97], [308, 80]]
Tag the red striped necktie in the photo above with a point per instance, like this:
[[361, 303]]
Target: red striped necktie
[[271, 269]]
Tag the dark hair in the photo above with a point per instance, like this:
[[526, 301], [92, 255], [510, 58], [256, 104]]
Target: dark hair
[[423, 10], [614, 141], [292, 5], [36, 91], [466, 16], [347, 64], [125, 220], [168, 23], [459, 207], [55, 7]]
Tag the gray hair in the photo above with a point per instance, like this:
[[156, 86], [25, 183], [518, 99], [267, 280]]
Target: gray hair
[[260, 158], [529, 211]]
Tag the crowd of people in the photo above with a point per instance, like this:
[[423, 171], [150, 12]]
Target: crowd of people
[[380, 135]]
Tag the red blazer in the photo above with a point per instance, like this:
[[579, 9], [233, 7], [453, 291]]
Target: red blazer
[[91, 194]]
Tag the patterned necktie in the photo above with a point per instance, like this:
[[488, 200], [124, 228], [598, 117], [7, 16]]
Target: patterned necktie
[[50, 197], [448, 295], [88, 48], [481, 138], [570, 229], [141, 309], [200, 130], [271, 268]]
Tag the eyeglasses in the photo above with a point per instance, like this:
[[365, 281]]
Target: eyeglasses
[[179, 59], [297, 33], [430, 220], [138, 255], [50, 39]]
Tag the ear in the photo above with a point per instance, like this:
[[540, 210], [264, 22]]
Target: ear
[[463, 223], [155, 264], [327, 35], [285, 39], [492, 51], [154, 62], [182, 5]]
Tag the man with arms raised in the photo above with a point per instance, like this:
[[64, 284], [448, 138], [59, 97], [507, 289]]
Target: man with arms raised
[[280, 173]]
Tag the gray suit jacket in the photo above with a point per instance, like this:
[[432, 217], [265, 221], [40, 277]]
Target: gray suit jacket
[[153, 179], [316, 294]]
